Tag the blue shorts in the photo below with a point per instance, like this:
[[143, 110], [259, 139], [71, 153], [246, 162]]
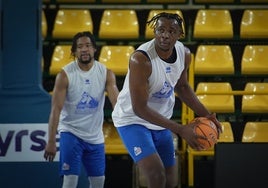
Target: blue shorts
[[142, 142], [74, 152]]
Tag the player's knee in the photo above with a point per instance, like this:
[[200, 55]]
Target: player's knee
[[158, 177]]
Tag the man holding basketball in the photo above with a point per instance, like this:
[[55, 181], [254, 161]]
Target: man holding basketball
[[142, 114], [77, 114]]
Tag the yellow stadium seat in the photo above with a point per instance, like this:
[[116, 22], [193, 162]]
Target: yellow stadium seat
[[226, 136], [254, 24], [119, 24], [214, 59], [116, 58], [210, 23], [149, 31], [120, 1], [60, 57], [75, 1], [254, 1], [255, 60], [113, 143], [214, 1], [255, 132], [257, 102], [68, 22], [44, 24], [220, 103], [166, 1]]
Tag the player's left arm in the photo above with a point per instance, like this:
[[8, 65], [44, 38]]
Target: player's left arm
[[111, 87], [187, 95], [185, 92]]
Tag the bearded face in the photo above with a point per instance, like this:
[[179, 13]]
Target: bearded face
[[85, 58], [85, 51]]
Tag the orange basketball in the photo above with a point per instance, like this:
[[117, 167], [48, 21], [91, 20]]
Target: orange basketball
[[207, 128]]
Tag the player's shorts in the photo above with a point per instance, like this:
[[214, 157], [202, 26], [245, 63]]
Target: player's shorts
[[142, 142], [74, 152]]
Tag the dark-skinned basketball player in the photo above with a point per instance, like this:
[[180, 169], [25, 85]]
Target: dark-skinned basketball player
[[142, 114]]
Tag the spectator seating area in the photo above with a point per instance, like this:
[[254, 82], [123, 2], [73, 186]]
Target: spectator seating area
[[229, 71]]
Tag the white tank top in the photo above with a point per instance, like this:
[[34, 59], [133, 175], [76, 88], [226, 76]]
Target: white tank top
[[162, 81], [82, 113]]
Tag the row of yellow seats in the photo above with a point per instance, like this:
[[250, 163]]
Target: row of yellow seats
[[209, 23], [114, 57], [219, 97], [230, 1], [156, 1], [218, 59], [115, 1], [70, 21], [253, 132], [208, 60]]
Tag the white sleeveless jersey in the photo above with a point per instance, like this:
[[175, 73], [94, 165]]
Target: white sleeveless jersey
[[162, 81], [82, 113]]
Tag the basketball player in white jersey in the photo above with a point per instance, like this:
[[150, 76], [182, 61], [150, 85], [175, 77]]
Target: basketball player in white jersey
[[142, 114], [77, 114]]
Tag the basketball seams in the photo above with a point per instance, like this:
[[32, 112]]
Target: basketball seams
[[209, 126], [210, 135], [207, 123], [203, 134], [208, 129]]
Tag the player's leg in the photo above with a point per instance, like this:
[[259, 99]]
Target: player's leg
[[164, 144], [70, 159], [94, 162], [70, 181], [139, 143], [96, 182], [171, 177], [153, 170]]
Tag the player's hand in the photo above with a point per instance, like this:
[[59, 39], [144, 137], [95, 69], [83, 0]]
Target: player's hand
[[213, 118], [50, 152], [191, 138]]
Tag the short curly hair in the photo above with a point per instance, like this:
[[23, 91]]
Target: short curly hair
[[152, 23]]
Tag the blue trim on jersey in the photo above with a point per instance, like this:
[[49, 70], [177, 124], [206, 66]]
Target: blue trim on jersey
[[142, 142], [74, 152]]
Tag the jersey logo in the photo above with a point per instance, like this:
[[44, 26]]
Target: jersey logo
[[87, 81], [165, 92], [168, 69], [65, 166], [87, 104], [137, 151]]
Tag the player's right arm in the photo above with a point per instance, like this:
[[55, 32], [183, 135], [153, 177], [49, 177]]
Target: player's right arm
[[58, 98]]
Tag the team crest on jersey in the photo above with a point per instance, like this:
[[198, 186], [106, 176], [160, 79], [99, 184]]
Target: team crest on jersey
[[165, 92], [86, 104]]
